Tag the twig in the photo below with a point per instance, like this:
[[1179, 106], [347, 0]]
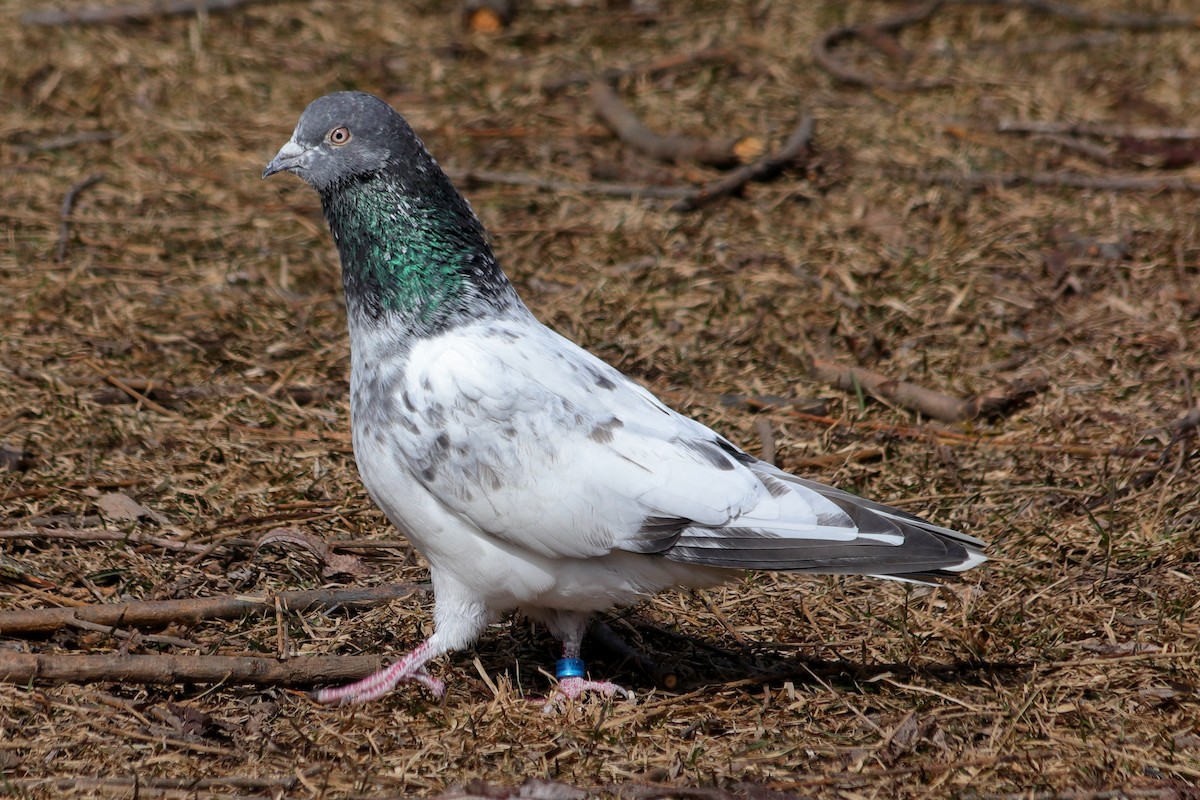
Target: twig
[[930, 433], [1048, 45], [712, 55], [754, 402], [1094, 151], [121, 633], [111, 15], [134, 394], [1185, 424], [157, 613], [68, 203], [687, 197], [468, 176], [63, 141], [298, 671], [767, 167], [838, 459], [67, 786], [822, 49], [1110, 20], [932, 404], [869, 32], [955, 438], [100, 536], [629, 129], [767, 437], [1061, 180], [1100, 129], [1178, 429]]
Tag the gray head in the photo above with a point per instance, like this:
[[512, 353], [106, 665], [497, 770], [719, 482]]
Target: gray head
[[344, 135]]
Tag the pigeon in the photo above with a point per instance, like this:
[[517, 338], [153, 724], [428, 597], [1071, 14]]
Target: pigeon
[[529, 473]]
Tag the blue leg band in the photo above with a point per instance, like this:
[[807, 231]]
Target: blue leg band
[[568, 668]]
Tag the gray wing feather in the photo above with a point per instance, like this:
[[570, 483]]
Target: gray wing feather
[[924, 552]]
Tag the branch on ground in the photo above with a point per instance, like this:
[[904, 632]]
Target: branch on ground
[[823, 56], [1098, 129], [68, 206], [711, 55], [628, 128], [468, 177], [932, 404], [1186, 424], [131, 389], [797, 146], [132, 12], [132, 537], [1061, 180], [114, 667], [161, 613], [880, 35]]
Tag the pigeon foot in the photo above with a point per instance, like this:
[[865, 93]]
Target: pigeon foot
[[574, 688], [410, 669]]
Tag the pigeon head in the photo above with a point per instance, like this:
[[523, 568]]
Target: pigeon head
[[414, 255], [344, 135]]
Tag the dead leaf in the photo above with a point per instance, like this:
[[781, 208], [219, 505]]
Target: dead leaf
[[119, 506], [331, 563]]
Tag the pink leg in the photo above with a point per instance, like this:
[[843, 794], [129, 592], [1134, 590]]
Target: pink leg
[[409, 668]]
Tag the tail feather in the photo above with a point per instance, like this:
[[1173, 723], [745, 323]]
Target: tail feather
[[924, 552]]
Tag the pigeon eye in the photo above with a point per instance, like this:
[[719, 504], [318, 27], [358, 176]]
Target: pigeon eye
[[339, 136]]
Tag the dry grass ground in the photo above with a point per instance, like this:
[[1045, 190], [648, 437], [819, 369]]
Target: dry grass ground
[[1067, 666]]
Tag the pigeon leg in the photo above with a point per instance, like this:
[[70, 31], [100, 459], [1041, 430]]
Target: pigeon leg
[[456, 625], [572, 680], [409, 668]]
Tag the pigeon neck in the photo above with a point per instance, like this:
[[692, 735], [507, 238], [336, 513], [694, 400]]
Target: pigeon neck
[[413, 253]]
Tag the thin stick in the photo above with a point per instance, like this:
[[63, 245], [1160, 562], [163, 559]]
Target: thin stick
[[666, 147], [159, 613], [65, 786], [467, 176], [1185, 424], [955, 438], [930, 432], [112, 15], [1100, 129], [822, 50], [299, 671], [68, 204], [767, 167], [932, 404], [121, 633], [1062, 180], [712, 55], [63, 141], [100, 536]]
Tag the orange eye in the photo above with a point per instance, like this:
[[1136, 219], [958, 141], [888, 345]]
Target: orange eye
[[339, 136]]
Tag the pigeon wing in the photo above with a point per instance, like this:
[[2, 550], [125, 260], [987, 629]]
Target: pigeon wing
[[540, 444]]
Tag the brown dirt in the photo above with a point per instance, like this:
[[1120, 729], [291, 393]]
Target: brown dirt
[[1067, 666]]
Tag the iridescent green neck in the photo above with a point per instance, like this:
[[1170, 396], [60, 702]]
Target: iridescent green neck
[[413, 254]]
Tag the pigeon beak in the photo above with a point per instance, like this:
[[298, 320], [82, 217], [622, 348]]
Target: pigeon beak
[[290, 158]]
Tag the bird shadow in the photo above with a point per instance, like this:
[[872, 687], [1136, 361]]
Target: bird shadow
[[646, 655]]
